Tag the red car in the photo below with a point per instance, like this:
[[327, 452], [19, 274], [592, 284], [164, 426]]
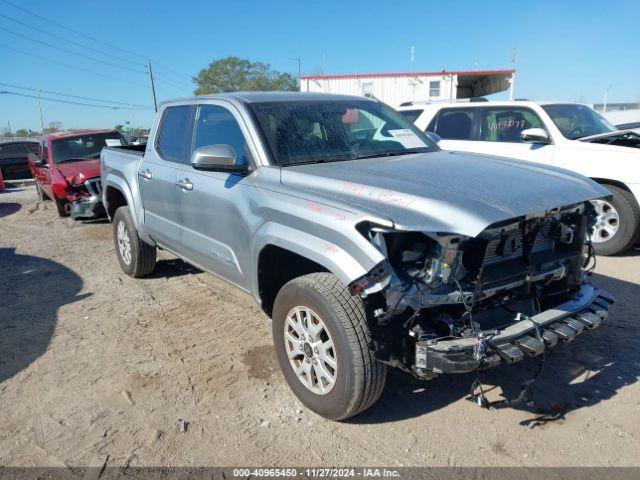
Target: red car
[[66, 169]]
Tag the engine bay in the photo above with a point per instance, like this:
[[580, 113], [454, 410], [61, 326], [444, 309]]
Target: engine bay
[[436, 287]]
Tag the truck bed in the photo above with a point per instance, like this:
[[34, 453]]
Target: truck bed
[[120, 164], [137, 150]]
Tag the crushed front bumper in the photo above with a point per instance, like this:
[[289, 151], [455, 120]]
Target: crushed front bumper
[[528, 337], [87, 207]]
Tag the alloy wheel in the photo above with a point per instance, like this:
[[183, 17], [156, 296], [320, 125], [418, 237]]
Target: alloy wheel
[[124, 244], [607, 221], [310, 349]]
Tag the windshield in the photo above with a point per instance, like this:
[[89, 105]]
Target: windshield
[[331, 131], [577, 121], [84, 147]]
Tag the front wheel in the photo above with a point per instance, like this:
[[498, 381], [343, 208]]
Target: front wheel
[[617, 226], [322, 341], [136, 258], [62, 209]]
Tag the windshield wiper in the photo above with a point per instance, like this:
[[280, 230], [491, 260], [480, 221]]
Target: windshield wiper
[[359, 156], [320, 160]]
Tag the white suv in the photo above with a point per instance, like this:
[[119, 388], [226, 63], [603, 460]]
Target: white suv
[[566, 135]]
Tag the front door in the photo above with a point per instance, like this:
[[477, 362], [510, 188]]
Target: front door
[[42, 174], [158, 174], [496, 131], [214, 204]]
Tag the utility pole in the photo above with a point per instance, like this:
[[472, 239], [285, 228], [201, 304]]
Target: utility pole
[[40, 109], [153, 87], [606, 94], [514, 59], [299, 60], [9, 125], [412, 56]]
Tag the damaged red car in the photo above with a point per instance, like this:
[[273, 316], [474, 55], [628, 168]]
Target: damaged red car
[[66, 169]]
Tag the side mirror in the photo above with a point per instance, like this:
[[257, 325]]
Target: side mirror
[[37, 161], [217, 158], [434, 137], [535, 135]]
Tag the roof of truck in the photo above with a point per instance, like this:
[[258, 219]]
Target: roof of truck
[[251, 97], [489, 103], [75, 133]]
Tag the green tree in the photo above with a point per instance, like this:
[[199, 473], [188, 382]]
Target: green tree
[[22, 132], [119, 127], [233, 74]]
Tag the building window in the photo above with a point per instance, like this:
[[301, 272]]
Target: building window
[[434, 88], [367, 89]]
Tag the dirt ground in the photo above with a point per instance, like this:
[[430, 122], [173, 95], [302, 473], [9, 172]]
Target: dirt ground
[[98, 367]]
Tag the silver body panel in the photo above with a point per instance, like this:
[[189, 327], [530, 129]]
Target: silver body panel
[[224, 222]]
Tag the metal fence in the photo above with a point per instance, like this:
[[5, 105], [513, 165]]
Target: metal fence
[[14, 138]]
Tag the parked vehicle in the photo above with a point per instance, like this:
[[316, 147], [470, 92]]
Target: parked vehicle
[[634, 126], [66, 169], [13, 159], [367, 245], [566, 135]]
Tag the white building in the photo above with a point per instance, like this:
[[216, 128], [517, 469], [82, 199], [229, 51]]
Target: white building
[[396, 88], [620, 114]]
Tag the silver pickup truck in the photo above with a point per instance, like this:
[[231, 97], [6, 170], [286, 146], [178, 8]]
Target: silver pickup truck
[[367, 245]]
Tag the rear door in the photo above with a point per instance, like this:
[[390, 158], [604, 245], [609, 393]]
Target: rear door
[[158, 174], [214, 204], [456, 128]]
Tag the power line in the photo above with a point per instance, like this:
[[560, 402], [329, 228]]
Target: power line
[[180, 75], [20, 87], [6, 92], [94, 39], [52, 22], [64, 39], [74, 67], [169, 82], [88, 57]]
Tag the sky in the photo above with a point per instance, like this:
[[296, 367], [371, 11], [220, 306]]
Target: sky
[[569, 50]]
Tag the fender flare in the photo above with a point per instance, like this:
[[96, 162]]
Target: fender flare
[[137, 212], [326, 254]]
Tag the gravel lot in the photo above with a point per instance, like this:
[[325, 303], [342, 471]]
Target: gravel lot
[[97, 367]]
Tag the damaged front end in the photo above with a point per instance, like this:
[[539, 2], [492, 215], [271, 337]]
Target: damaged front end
[[86, 199], [445, 303]]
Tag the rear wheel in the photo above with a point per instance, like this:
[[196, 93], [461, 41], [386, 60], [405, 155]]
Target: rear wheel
[[617, 225], [136, 258], [322, 341]]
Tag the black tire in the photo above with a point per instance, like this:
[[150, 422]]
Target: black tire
[[629, 223], [142, 256], [40, 193], [62, 210], [360, 378]]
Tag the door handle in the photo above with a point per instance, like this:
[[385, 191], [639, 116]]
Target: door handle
[[147, 175], [185, 184]]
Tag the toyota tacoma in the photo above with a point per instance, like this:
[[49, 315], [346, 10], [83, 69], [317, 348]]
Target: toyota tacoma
[[367, 245]]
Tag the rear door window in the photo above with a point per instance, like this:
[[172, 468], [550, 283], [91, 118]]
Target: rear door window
[[176, 129], [504, 124], [11, 150], [454, 124]]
